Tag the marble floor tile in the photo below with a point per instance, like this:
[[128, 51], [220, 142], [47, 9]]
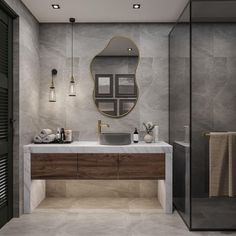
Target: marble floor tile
[[58, 221], [142, 205], [102, 205]]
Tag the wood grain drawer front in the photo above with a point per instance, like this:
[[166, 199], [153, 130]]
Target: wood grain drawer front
[[98, 166], [142, 166], [54, 166]]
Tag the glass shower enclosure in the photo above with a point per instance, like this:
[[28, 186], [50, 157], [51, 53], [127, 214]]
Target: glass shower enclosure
[[202, 103]]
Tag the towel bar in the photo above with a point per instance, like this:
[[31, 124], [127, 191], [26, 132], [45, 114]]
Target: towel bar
[[208, 134]]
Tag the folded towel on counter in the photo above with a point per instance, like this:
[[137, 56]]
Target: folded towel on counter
[[37, 139], [45, 132], [50, 138]]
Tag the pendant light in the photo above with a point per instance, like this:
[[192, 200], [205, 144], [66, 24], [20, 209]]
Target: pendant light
[[52, 91], [72, 90]]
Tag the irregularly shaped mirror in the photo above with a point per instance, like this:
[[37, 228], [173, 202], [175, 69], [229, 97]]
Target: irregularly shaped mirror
[[114, 74]]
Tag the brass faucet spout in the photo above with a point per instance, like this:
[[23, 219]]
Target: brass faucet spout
[[100, 125]]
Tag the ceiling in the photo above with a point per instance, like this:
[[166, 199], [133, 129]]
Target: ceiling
[[88, 11]]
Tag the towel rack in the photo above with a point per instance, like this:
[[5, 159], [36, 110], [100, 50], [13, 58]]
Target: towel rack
[[208, 134]]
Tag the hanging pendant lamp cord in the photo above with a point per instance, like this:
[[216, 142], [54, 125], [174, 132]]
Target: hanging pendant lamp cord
[[72, 50]]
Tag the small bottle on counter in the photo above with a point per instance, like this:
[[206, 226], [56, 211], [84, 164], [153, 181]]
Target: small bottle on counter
[[63, 136], [136, 136]]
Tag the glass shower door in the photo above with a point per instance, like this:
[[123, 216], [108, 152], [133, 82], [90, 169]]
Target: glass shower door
[[213, 95], [179, 72]]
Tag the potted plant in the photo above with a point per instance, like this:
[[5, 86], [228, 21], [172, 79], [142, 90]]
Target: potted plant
[[149, 127]]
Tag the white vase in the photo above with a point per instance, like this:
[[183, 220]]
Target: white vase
[[148, 138]]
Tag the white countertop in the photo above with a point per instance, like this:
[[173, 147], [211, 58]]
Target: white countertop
[[95, 147]]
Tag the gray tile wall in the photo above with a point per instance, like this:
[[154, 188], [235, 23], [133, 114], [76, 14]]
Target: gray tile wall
[[80, 113], [26, 90]]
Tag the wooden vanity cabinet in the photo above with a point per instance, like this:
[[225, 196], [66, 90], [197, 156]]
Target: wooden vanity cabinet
[[97, 166], [141, 166], [54, 166]]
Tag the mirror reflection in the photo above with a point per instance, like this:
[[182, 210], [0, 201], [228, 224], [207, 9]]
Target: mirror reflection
[[114, 74]]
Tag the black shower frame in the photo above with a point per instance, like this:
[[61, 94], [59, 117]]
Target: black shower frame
[[189, 4]]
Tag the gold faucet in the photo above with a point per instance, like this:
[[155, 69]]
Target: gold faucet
[[100, 125]]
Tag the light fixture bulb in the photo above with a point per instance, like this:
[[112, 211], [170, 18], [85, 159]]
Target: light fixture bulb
[[52, 91], [136, 6], [72, 89], [55, 6], [52, 94]]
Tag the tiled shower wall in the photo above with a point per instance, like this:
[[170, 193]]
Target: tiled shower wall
[[213, 88], [213, 93]]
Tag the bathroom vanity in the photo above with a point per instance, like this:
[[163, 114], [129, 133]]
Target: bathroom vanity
[[90, 160]]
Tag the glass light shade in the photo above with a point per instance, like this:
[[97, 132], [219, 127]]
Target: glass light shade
[[52, 94], [72, 91]]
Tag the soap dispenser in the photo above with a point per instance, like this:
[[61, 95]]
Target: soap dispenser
[[136, 136]]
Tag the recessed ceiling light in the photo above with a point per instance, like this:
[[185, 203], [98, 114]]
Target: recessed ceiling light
[[136, 6], [130, 49], [55, 6]]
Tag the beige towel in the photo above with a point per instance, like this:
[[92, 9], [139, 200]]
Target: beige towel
[[232, 163], [218, 164]]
